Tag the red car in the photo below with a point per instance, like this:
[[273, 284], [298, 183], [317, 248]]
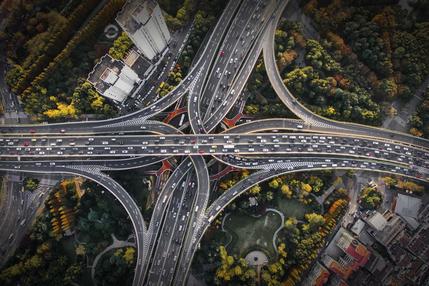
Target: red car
[[221, 53]]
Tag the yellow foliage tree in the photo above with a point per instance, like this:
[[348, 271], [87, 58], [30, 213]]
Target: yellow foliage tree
[[306, 187], [330, 111], [286, 58], [80, 250], [63, 111], [98, 102], [414, 131], [281, 249], [286, 191], [129, 255], [255, 190]]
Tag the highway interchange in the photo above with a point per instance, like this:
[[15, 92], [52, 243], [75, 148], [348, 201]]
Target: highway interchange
[[166, 245]]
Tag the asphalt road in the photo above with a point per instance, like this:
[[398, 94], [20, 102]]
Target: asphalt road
[[216, 81]]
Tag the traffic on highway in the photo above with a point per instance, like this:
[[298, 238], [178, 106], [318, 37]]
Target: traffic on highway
[[181, 215]]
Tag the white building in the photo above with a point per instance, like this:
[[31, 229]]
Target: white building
[[113, 79], [143, 22]]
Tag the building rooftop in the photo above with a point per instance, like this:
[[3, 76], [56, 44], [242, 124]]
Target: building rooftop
[[419, 243], [407, 206], [377, 221], [358, 227], [318, 276], [135, 14], [105, 73], [113, 78], [386, 227], [345, 254], [137, 63]]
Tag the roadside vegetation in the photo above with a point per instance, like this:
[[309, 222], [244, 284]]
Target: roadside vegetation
[[263, 102], [30, 184], [78, 223], [404, 185], [51, 48], [419, 121]]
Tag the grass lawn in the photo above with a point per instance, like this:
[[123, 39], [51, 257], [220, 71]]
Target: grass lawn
[[291, 207], [251, 233]]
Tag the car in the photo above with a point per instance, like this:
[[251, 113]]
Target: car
[[221, 53], [63, 131]]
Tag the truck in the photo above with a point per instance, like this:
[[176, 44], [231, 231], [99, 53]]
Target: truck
[[228, 146]]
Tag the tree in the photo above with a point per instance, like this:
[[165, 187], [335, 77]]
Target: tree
[[415, 132], [129, 255], [72, 274], [282, 250], [230, 268], [370, 197], [121, 46], [286, 191], [256, 189], [274, 184], [388, 89], [316, 183], [80, 250], [389, 181], [286, 58], [30, 184], [415, 121], [55, 44], [251, 109], [306, 187], [410, 186], [314, 220]]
